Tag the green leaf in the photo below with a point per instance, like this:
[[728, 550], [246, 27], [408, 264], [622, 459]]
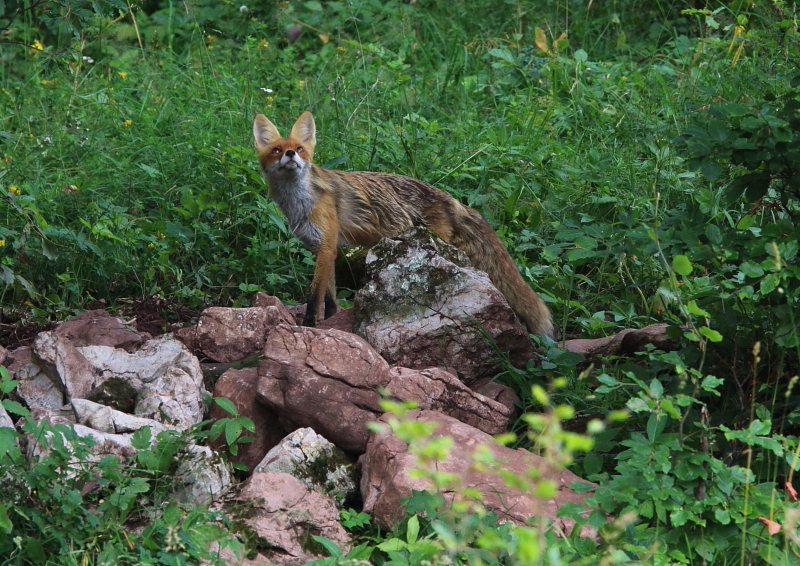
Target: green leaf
[[13, 407], [232, 431], [710, 168], [328, 544], [5, 523], [655, 425], [681, 265], [669, 408], [412, 531], [751, 269], [692, 307], [226, 405], [140, 439], [769, 283], [581, 56], [712, 335]]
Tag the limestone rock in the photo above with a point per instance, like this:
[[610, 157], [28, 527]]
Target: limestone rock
[[165, 374], [285, 513], [438, 390], [66, 367], [105, 419], [202, 476], [423, 306], [317, 463], [322, 379], [624, 343]]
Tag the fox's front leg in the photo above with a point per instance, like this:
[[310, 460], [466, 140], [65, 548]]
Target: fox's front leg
[[323, 215]]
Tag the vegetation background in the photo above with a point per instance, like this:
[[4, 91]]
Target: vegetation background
[[640, 159]]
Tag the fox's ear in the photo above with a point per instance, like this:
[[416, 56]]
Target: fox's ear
[[304, 129], [264, 132]]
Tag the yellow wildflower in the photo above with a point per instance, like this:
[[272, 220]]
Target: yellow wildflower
[[14, 189], [48, 82], [211, 38], [301, 84], [36, 46], [127, 122], [341, 48], [122, 74], [2, 242], [263, 43], [268, 98]]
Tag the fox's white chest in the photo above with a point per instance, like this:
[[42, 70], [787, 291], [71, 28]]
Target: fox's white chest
[[295, 199]]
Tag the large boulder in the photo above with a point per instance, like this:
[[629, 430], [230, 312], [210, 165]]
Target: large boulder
[[329, 380], [424, 305], [166, 376], [387, 464]]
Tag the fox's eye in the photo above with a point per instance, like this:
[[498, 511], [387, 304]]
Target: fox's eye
[[299, 149], [276, 150]]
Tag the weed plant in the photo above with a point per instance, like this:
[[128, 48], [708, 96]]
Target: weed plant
[[639, 158]]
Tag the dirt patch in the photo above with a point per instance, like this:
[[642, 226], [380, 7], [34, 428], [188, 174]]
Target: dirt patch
[[153, 314]]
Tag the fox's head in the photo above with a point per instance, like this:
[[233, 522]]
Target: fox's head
[[290, 156]]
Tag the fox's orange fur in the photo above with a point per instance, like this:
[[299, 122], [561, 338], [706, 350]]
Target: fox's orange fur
[[327, 209]]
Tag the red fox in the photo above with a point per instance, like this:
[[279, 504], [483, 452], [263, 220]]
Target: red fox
[[327, 209]]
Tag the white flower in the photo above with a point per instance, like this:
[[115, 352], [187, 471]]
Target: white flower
[[243, 8], [88, 59], [266, 89]]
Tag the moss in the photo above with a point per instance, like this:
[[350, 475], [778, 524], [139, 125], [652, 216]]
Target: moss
[[419, 287], [116, 393]]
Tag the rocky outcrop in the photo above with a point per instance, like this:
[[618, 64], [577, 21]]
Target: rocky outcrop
[[424, 306]]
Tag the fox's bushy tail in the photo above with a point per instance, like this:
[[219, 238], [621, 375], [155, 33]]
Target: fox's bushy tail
[[473, 234]]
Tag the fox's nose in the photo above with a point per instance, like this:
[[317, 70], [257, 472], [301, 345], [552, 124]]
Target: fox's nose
[[289, 153]]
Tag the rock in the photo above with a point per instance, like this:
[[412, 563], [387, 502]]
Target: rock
[[201, 477], [503, 394], [105, 444], [36, 389], [425, 306], [625, 343], [229, 334], [284, 514], [438, 390], [66, 367], [105, 419], [342, 320], [3, 355], [165, 374], [239, 387], [322, 379], [5, 419], [328, 380], [99, 328], [17, 358], [274, 305], [317, 463], [387, 462]]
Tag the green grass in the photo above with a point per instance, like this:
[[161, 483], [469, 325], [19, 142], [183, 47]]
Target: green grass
[[128, 170]]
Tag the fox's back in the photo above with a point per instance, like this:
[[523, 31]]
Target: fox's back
[[373, 205]]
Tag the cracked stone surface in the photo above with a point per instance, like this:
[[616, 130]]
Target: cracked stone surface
[[229, 334]]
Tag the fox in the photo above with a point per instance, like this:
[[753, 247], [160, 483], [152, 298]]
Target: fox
[[327, 209]]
